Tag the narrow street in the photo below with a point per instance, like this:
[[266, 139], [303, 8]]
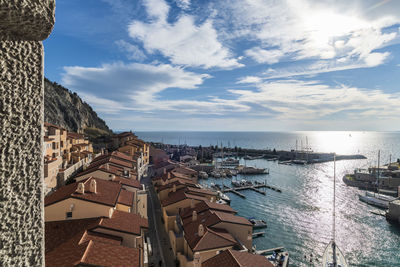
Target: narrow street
[[162, 251]]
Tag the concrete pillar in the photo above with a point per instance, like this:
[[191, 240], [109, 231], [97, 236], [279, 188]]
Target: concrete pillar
[[23, 25]]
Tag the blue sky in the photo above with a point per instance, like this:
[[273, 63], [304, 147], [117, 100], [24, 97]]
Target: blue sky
[[234, 65]]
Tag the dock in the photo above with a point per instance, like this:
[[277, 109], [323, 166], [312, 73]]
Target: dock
[[258, 234], [256, 188], [269, 251]]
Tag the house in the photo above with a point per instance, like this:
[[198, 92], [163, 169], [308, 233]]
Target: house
[[93, 197], [234, 258], [115, 241]]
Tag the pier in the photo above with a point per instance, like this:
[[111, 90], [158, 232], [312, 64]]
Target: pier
[[256, 188], [258, 234]]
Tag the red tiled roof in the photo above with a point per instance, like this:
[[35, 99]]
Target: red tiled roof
[[125, 197], [211, 239], [125, 222], [204, 206], [229, 217], [107, 192], [180, 195], [177, 183], [235, 258], [102, 254], [68, 243], [128, 182]]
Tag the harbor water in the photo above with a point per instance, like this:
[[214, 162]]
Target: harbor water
[[300, 218]]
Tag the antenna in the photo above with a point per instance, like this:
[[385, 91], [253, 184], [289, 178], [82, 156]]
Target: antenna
[[334, 212]]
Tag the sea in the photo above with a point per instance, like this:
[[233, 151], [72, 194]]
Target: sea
[[300, 218]]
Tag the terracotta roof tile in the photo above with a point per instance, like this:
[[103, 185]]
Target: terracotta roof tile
[[107, 192], [204, 206], [102, 254], [126, 197], [129, 182], [180, 195], [211, 239], [125, 222]]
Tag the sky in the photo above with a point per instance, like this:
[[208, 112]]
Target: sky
[[232, 65]]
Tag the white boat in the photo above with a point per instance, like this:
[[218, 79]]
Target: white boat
[[380, 196], [333, 256], [384, 204], [251, 170], [223, 197], [257, 223], [203, 175], [230, 162], [278, 258]]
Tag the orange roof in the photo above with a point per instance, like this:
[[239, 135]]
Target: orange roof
[[69, 243], [234, 258], [211, 239], [204, 206], [179, 195], [128, 182], [125, 222], [126, 197], [73, 135], [107, 192]]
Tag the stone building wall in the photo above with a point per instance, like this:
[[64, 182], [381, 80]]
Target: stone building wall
[[23, 25]]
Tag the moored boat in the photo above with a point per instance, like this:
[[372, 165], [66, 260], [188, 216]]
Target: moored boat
[[257, 223]]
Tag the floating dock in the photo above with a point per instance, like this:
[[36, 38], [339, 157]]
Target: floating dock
[[258, 234], [235, 190], [268, 251]]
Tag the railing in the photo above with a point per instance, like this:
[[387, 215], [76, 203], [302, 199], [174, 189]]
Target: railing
[[70, 171]]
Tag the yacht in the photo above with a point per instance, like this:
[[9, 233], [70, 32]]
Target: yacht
[[257, 223], [223, 197]]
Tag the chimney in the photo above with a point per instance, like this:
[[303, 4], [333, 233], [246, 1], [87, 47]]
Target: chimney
[[192, 203], [113, 176], [169, 175], [81, 188], [212, 199], [165, 171], [194, 216], [107, 167], [93, 186], [201, 230], [174, 188]]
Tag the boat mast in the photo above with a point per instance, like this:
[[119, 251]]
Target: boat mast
[[334, 212], [379, 160]]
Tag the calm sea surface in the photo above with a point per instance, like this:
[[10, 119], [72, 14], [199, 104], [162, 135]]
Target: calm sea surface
[[300, 217]]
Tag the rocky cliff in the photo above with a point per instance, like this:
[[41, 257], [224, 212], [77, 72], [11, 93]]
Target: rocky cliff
[[66, 109]]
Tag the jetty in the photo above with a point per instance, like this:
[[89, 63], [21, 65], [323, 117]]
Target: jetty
[[258, 234], [268, 251], [255, 187]]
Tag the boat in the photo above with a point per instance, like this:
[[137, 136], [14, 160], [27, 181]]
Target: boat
[[299, 161], [333, 256], [257, 223], [253, 157], [230, 162], [244, 182], [279, 257], [224, 197], [222, 202], [251, 170], [373, 201], [376, 199], [203, 175], [235, 183]]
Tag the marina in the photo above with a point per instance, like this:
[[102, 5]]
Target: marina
[[299, 218]]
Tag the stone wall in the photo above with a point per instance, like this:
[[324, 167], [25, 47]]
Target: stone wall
[[23, 25]]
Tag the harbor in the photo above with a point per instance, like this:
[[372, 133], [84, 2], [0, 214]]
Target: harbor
[[299, 218]]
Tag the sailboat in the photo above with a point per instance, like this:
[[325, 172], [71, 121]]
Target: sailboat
[[377, 199], [333, 256]]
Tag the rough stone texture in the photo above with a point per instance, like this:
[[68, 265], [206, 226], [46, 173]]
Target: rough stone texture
[[23, 24], [21, 189], [28, 20]]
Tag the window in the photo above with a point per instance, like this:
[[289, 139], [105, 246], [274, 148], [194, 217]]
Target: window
[[69, 214]]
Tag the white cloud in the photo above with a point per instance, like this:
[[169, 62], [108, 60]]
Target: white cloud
[[310, 29], [183, 42], [134, 52], [265, 56], [249, 79], [184, 4], [123, 86], [312, 100]]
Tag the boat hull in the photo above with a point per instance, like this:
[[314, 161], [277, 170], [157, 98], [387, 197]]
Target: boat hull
[[327, 257]]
